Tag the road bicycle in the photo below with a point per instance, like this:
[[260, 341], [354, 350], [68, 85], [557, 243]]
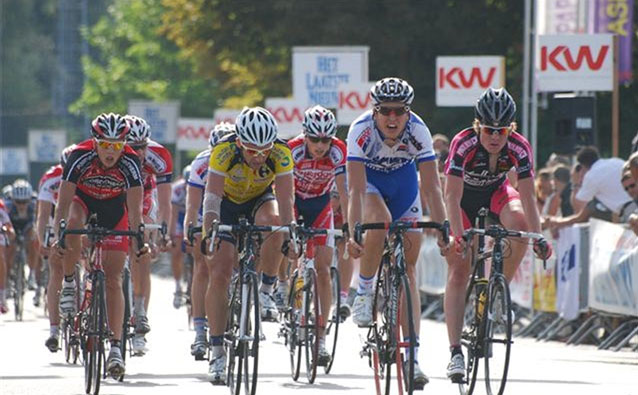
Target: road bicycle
[[17, 276], [302, 318], [487, 332], [92, 320], [391, 337]]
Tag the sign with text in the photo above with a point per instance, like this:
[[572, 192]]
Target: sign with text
[[162, 118], [318, 72], [289, 115], [226, 115], [460, 80], [45, 145], [569, 62], [13, 161], [354, 99], [616, 17], [193, 133]]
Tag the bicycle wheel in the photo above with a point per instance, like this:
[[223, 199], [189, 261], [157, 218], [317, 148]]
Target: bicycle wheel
[[291, 327], [126, 289], [332, 327], [95, 341], [404, 351], [381, 334], [231, 339], [498, 335], [310, 322], [18, 298], [188, 279], [250, 345], [470, 340]]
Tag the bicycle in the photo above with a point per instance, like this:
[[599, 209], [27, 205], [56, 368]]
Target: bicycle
[[488, 335], [302, 318], [91, 320], [243, 328], [385, 343], [19, 282]]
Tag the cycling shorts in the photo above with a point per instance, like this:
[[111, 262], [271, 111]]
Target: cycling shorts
[[496, 199], [111, 214], [231, 212], [316, 213]]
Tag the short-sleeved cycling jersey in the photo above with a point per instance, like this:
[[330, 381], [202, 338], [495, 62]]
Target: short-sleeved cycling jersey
[[315, 177], [158, 162], [470, 160], [83, 168], [50, 185], [199, 169], [365, 143], [4, 214], [242, 183], [178, 194], [21, 223]]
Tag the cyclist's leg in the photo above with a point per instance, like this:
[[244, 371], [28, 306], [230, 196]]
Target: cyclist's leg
[[141, 279], [3, 276], [33, 255], [53, 288], [271, 256], [113, 261], [345, 267], [507, 205], [77, 218], [198, 289]]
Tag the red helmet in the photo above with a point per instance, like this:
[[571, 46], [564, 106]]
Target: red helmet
[[110, 127]]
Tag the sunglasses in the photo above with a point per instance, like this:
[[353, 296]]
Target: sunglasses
[[138, 147], [324, 140], [106, 144], [491, 130], [258, 152], [628, 187], [398, 111]]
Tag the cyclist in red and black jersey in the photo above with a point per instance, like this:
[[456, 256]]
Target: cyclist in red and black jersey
[[101, 176], [480, 158]]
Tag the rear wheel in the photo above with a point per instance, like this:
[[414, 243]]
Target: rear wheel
[[332, 327], [250, 347], [231, 340], [498, 335], [310, 324], [470, 339], [20, 285], [292, 328], [97, 319], [404, 352], [126, 288]]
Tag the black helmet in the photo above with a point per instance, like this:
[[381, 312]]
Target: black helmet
[[495, 107]]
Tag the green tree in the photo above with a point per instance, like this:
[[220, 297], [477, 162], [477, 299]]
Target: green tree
[[135, 61]]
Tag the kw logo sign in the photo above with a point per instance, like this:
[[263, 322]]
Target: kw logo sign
[[354, 100], [192, 132], [287, 115], [561, 58], [457, 78]]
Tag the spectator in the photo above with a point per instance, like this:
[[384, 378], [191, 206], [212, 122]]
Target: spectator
[[544, 189], [560, 203], [631, 207], [440, 143], [600, 186], [557, 159]]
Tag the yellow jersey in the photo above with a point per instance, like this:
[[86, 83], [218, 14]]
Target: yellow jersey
[[241, 182]]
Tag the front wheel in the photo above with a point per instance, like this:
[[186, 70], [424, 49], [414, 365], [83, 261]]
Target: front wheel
[[19, 285], [332, 327], [292, 329], [405, 337], [310, 322], [250, 346], [498, 335]]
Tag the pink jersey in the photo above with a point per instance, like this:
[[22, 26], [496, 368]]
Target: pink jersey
[[315, 177], [50, 184]]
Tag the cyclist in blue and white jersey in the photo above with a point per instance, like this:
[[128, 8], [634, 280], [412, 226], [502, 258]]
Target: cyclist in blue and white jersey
[[196, 184], [386, 147], [176, 229]]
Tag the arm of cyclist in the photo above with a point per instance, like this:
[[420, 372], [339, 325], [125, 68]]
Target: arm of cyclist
[[194, 196], [212, 202], [285, 187], [65, 197], [164, 192], [134, 198], [340, 182], [453, 195], [42, 220], [528, 199], [431, 190], [356, 194]]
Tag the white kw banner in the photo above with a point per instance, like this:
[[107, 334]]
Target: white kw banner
[[460, 80], [289, 115], [354, 99], [193, 133], [226, 115]]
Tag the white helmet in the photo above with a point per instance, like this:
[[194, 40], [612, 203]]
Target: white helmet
[[319, 122], [139, 130], [21, 190], [219, 131], [256, 125], [6, 191], [109, 126], [392, 89], [186, 172]]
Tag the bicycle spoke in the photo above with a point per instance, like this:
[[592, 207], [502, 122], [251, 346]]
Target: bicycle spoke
[[498, 336]]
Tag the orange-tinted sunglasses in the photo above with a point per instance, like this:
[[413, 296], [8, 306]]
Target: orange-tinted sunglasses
[[491, 130], [258, 152], [106, 144]]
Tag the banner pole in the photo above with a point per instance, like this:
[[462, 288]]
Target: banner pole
[[615, 113]]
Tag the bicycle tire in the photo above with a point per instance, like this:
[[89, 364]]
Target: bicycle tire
[[124, 340], [498, 335], [381, 333], [250, 347], [66, 339], [470, 340], [332, 328], [403, 348], [231, 339], [292, 330], [189, 263], [18, 300], [96, 333], [311, 323]]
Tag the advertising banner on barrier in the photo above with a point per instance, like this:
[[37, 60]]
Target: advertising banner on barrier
[[522, 285], [431, 268], [162, 117], [570, 62], [545, 284], [318, 72], [568, 261], [289, 115], [354, 99], [460, 80], [225, 115], [45, 145], [193, 133], [613, 268]]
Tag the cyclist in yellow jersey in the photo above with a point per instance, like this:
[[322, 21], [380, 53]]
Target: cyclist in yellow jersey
[[242, 169]]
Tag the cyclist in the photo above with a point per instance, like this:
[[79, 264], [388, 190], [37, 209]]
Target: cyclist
[[157, 172], [477, 166], [22, 210], [345, 263], [383, 145], [320, 162], [178, 211], [102, 176], [47, 198], [242, 170], [194, 200], [8, 235]]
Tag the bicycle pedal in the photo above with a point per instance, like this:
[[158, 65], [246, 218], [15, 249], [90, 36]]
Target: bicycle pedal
[[458, 379]]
